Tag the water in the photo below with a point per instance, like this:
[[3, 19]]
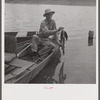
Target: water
[[77, 20], [78, 64]]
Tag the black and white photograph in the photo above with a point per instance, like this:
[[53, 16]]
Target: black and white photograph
[[50, 42]]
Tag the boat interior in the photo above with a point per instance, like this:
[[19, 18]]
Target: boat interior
[[18, 55]]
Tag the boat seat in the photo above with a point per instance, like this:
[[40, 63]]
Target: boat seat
[[11, 33], [31, 33], [10, 44], [10, 48], [22, 64], [9, 57]]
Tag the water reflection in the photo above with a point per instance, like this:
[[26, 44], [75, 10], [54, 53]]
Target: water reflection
[[45, 76], [90, 38], [90, 42], [62, 76], [48, 73], [63, 49]]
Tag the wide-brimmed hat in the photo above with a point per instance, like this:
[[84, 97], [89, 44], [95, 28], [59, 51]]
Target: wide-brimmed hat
[[47, 11]]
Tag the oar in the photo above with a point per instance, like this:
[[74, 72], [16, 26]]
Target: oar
[[24, 50]]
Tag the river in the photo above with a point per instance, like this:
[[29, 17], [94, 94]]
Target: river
[[78, 63]]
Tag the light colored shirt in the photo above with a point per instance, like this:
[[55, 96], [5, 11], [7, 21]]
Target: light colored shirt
[[47, 26]]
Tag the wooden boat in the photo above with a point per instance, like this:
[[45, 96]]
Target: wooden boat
[[19, 42], [21, 68]]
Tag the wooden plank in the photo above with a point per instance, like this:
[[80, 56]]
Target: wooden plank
[[23, 43], [11, 33], [6, 66], [23, 51], [19, 71], [9, 69], [10, 44], [21, 39], [21, 63], [8, 76], [31, 33]]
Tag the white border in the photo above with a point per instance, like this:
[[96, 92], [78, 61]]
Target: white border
[[2, 46], [97, 56]]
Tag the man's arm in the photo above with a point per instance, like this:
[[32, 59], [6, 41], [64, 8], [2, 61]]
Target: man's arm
[[44, 29], [51, 32]]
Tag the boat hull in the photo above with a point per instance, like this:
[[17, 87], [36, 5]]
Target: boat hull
[[33, 70]]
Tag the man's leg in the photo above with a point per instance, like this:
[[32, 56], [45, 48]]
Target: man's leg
[[35, 42], [48, 46], [48, 43]]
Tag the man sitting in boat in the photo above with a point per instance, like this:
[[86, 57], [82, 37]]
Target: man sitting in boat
[[47, 28]]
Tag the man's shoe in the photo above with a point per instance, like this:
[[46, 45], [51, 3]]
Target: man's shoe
[[34, 53], [35, 56]]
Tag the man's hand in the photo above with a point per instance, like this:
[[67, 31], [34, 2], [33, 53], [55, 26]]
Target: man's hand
[[60, 28]]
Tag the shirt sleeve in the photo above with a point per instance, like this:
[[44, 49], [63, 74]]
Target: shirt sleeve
[[54, 25], [43, 28]]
